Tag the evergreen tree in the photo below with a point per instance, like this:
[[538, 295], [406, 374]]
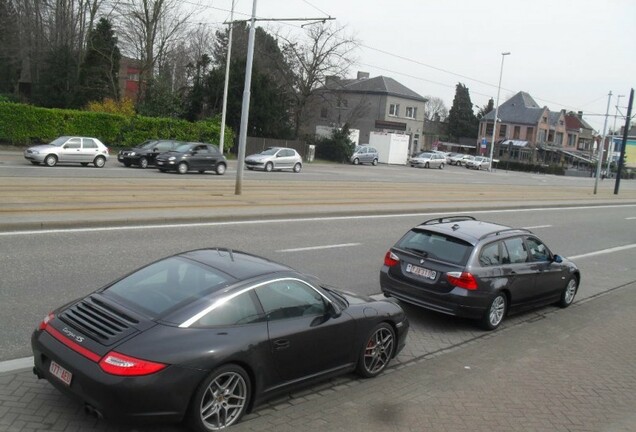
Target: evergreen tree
[[99, 75], [58, 80], [486, 109], [462, 122], [9, 47]]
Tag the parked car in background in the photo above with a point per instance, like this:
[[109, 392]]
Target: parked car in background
[[192, 156], [364, 154], [208, 334], [460, 159], [428, 160], [275, 159], [462, 266], [478, 163], [145, 154], [69, 149], [451, 155]]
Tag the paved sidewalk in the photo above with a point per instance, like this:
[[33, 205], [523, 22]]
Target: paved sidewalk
[[534, 376]]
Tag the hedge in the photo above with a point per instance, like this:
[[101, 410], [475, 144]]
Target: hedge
[[25, 124]]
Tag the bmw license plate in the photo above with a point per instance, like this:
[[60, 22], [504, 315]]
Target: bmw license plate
[[420, 271], [61, 373]]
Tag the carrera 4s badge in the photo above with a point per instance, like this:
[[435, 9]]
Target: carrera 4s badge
[[72, 335]]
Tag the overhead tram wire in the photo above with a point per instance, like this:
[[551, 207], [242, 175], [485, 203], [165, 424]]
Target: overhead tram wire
[[401, 57]]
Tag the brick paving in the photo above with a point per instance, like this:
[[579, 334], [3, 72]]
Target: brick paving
[[551, 370]]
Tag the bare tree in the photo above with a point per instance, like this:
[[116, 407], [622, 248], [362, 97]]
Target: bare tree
[[149, 29], [326, 51], [435, 109]]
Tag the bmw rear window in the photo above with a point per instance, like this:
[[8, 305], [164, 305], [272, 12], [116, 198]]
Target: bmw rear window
[[166, 285], [436, 246]]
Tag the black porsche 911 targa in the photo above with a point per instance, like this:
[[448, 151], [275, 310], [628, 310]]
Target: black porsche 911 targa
[[208, 334]]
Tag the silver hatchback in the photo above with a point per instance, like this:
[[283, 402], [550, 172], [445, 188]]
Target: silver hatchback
[[275, 158], [69, 149], [364, 154]]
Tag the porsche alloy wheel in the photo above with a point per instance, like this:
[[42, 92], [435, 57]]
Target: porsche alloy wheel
[[377, 351], [222, 399]]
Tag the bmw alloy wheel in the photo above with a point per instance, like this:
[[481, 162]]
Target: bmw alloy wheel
[[568, 294], [496, 312]]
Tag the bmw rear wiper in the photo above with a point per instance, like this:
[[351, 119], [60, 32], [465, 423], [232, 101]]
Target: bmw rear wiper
[[417, 251]]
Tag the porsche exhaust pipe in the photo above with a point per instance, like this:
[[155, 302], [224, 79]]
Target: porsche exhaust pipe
[[93, 412]]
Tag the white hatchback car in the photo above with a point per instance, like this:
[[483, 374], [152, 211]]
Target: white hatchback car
[[69, 149], [275, 158]]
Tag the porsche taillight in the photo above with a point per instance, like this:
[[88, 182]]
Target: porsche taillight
[[120, 364], [462, 280], [47, 319], [391, 259]]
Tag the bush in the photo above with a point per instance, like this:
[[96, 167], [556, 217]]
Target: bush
[[24, 124], [337, 148]]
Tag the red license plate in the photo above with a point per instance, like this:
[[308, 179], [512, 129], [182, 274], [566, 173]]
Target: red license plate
[[61, 373]]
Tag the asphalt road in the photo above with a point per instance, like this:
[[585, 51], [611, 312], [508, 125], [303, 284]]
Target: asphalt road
[[43, 270]]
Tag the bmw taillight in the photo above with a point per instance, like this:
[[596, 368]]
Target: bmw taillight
[[462, 280], [391, 259], [116, 363], [47, 319]]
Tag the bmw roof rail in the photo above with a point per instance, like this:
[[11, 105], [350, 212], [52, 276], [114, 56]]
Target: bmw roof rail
[[499, 232], [447, 219]]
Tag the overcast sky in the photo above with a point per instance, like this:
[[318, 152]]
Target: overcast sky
[[566, 54]]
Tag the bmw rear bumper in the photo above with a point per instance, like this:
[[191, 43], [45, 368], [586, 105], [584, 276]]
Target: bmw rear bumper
[[458, 302]]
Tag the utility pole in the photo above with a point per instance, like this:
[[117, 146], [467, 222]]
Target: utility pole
[[610, 155], [227, 79], [602, 146], [625, 134], [245, 105]]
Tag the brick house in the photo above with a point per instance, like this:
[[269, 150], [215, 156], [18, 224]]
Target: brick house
[[379, 104], [530, 133]]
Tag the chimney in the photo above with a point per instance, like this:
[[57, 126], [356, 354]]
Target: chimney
[[579, 114], [363, 75]]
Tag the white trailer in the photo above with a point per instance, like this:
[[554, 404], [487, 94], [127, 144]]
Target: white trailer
[[392, 148]]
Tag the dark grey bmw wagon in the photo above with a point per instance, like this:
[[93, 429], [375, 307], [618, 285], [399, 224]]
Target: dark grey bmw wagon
[[465, 267]]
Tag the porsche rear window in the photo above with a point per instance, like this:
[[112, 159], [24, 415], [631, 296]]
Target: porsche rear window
[[436, 246], [166, 285]]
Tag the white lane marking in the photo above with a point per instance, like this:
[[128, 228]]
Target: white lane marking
[[602, 252], [630, 218], [14, 365], [538, 226], [289, 220], [27, 362], [311, 248]]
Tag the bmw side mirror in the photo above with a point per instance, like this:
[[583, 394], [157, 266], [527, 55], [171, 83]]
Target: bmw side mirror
[[557, 259]]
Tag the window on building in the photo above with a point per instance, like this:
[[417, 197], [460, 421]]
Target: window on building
[[324, 112], [489, 129], [559, 139], [571, 140], [516, 133], [545, 119], [529, 133], [394, 110], [542, 135], [411, 112], [503, 130], [343, 103]]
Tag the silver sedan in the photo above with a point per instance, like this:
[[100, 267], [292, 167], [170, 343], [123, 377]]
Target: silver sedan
[[275, 158], [428, 160]]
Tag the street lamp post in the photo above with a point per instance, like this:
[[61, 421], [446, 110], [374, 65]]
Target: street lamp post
[[494, 127]]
